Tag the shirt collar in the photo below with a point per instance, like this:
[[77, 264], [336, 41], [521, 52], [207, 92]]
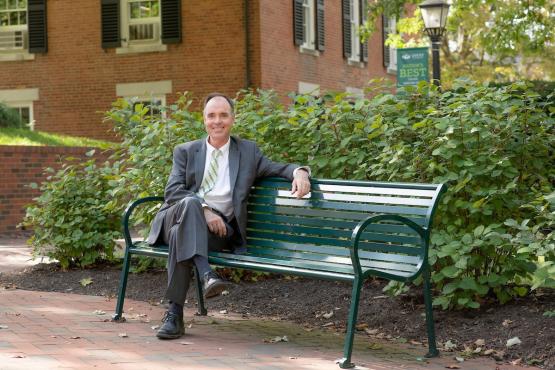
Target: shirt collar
[[224, 149]]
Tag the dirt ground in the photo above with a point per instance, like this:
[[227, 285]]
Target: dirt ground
[[316, 303]]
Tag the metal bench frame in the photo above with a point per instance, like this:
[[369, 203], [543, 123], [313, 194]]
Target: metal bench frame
[[395, 204]]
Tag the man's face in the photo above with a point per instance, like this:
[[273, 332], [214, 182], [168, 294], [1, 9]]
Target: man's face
[[218, 119]]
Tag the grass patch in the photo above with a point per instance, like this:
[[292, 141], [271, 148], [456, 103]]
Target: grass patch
[[18, 136]]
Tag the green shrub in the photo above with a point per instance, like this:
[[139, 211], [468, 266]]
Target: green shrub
[[9, 117], [493, 237], [70, 220]]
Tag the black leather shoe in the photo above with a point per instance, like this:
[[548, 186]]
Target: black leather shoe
[[172, 327], [213, 285]]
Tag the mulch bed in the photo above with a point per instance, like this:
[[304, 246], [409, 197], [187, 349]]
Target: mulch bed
[[316, 303]]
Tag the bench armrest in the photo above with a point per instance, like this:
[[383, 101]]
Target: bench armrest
[[359, 229], [127, 214]]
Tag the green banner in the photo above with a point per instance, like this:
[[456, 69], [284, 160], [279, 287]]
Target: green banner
[[412, 66]]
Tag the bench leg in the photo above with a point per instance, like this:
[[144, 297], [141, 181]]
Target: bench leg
[[345, 362], [118, 316], [200, 297], [430, 328]]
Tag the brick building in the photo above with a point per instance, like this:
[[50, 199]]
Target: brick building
[[64, 61]]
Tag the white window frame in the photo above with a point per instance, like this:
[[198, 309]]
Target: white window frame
[[355, 21], [309, 88], [392, 29], [8, 33], [309, 25], [145, 92], [21, 98], [24, 104], [137, 46]]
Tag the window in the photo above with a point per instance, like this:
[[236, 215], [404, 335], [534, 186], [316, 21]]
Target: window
[[153, 103], [25, 110], [13, 25], [151, 94], [142, 21], [22, 101], [389, 25], [140, 25], [308, 24], [354, 15]]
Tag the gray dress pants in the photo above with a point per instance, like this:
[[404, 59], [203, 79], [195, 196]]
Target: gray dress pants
[[186, 232]]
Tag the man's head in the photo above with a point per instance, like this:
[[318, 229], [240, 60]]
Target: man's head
[[218, 118]]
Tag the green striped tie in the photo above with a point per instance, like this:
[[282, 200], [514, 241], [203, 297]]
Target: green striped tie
[[211, 176]]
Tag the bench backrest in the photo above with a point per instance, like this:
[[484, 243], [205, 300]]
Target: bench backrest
[[318, 228]]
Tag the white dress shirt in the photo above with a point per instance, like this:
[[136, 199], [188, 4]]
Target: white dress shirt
[[219, 197]]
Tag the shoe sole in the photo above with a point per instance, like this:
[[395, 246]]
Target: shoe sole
[[216, 289], [169, 336]]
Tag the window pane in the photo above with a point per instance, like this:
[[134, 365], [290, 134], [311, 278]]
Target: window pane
[[12, 4], [25, 114], [14, 18], [3, 4], [22, 17], [145, 9], [135, 10], [3, 19], [22, 4], [155, 8]]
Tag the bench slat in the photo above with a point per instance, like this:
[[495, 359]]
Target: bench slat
[[344, 185], [335, 251], [327, 214], [346, 197], [303, 230], [324, 206], [334, 224], [328, 260], [253, 239]]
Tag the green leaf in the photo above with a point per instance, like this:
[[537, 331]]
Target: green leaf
[[86, 281]]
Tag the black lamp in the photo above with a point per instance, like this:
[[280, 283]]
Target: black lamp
[[434, 14]]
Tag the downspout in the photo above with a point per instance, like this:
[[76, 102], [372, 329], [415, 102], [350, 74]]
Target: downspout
[[247, 48]]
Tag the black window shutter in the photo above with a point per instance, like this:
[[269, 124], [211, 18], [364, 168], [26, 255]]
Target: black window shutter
[[385, 34], [298, 22], [320, 30], [346, 9], [36, 23], [363, 45], [171, 21], [109, 12]]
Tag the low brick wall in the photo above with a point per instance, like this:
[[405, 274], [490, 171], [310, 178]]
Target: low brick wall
[[22, 165]]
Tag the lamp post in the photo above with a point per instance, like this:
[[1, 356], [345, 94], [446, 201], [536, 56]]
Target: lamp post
[[434, 14]]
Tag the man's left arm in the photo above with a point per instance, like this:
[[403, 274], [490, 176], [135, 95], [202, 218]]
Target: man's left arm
[[299, 175]]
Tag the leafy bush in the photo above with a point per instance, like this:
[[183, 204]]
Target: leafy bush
[[70, 220], [9, 117], [493, 146]]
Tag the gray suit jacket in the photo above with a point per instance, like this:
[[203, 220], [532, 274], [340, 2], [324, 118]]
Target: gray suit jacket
[[246, 164]]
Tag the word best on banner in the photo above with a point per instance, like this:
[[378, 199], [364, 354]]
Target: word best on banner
[[412, 66]]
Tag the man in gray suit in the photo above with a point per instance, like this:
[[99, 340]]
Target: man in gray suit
[[205, 204]]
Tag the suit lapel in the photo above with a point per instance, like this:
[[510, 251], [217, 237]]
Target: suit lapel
[[234, 158], [200, 163]]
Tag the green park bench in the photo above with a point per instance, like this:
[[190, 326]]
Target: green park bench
[[343, 230]]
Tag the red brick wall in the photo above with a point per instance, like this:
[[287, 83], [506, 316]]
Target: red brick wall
[[283, 66], [20, 166], [77, 78]]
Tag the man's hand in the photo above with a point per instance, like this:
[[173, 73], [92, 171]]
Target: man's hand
[[301, 184], [215, 223]]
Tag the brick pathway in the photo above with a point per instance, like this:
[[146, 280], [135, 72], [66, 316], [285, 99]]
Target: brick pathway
[[43, 330]]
